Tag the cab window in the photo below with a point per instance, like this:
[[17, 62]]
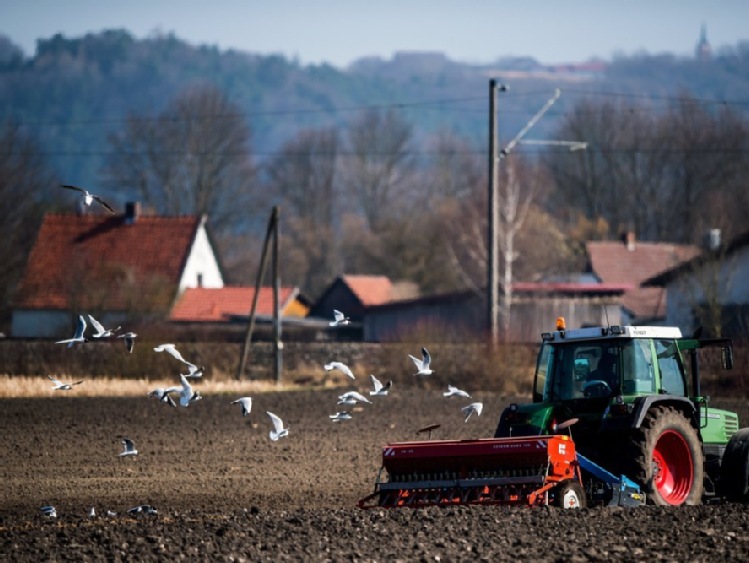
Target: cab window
[[672, 381]]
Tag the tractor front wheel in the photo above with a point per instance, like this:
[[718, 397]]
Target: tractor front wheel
[[667, 460]]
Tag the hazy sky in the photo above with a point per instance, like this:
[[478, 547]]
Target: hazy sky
[[340, 31]]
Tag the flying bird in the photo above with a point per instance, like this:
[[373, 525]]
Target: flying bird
[[128, 448], [455, 392], [351, 398], [193, 370], [340, 319], [129, 340], [379, 388], [60, 386], [88, 198], [278, 430], [163, 395], [423, 364], [246, 403], [340, 366], [472, 408], [78, 337], [340, 416], [186, 393], [101, 332]]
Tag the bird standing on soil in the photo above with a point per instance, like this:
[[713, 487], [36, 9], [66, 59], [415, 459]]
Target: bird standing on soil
[[128, 448], [88, 198], [422, 364], [129, 340], [278, 430], [101, 332], [340, 366], [455, 392], [78, 337], [472, 408], [340, 319], [379, 388], [246, 403], [60, 386], [49, 511]]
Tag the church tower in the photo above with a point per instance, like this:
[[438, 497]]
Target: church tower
[[703, 51]]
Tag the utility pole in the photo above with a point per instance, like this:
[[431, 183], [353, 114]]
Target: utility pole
[[492, 289]]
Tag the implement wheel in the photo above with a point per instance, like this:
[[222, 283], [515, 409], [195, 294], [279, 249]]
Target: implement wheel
[[734, 479], [667, 459], [569, 494]]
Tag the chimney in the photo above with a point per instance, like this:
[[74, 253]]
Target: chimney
[[628, 238], [132, 212]]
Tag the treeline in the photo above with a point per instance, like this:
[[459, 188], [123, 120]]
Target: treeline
[[367, 183]]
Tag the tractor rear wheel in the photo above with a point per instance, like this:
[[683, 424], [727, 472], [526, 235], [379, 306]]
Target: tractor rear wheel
[[734, 478], [666, 459], [570, 494]]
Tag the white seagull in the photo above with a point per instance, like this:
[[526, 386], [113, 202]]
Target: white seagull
[[186, 393], [143, 509], [340, 319], [455, 392], [340, 366], [340, 416], [128, 448], [423, 364], [92, 513], [60, 386], [101, 332], [379, 388], [278, 430], [246, 403], [351, 398], [194, 371], [163, 395], [88, 198], [472, 408], [78, 337], [129, 340]]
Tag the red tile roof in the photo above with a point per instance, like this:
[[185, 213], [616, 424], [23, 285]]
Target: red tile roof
[[371, 290], [78, 259], [203, 304], [614, 262]]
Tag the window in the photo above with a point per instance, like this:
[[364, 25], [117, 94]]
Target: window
[[672, 381]]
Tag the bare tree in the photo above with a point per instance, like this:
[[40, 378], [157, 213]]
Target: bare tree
[[378, 165], [195, 158], [303, 176], [25, 180]]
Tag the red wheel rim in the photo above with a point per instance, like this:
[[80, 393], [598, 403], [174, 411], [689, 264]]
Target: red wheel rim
[[672, 468]]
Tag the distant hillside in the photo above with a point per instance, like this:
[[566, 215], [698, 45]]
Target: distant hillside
[[74, 92]]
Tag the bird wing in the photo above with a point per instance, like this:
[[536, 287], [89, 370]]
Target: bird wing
[[376, 383], [57, 382], [427, 358], [388, 385], [78, 382], [338, 315], [416, 361], [69, 187], [81, 328], [277, 422], [171, 350], [97, 325], [104, 204]]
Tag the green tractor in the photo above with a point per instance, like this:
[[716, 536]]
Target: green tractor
[[634, 396]]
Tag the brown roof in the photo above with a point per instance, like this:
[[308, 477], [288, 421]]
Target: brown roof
[[203, 304], [87, 260], [615, 262], [370, 290]]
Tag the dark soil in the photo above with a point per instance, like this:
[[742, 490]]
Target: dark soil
[[224, 491]]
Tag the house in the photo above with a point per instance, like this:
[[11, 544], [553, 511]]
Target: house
[[353, 294], [462, 316], [629, 261], [113, 267], [710, 290]]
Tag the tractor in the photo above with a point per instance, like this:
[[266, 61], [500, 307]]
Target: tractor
[[635, 396]]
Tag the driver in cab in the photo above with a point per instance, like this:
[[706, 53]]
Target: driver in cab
[[605, 372]]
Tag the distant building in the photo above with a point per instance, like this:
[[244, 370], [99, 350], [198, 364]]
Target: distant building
[[703, 51]]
